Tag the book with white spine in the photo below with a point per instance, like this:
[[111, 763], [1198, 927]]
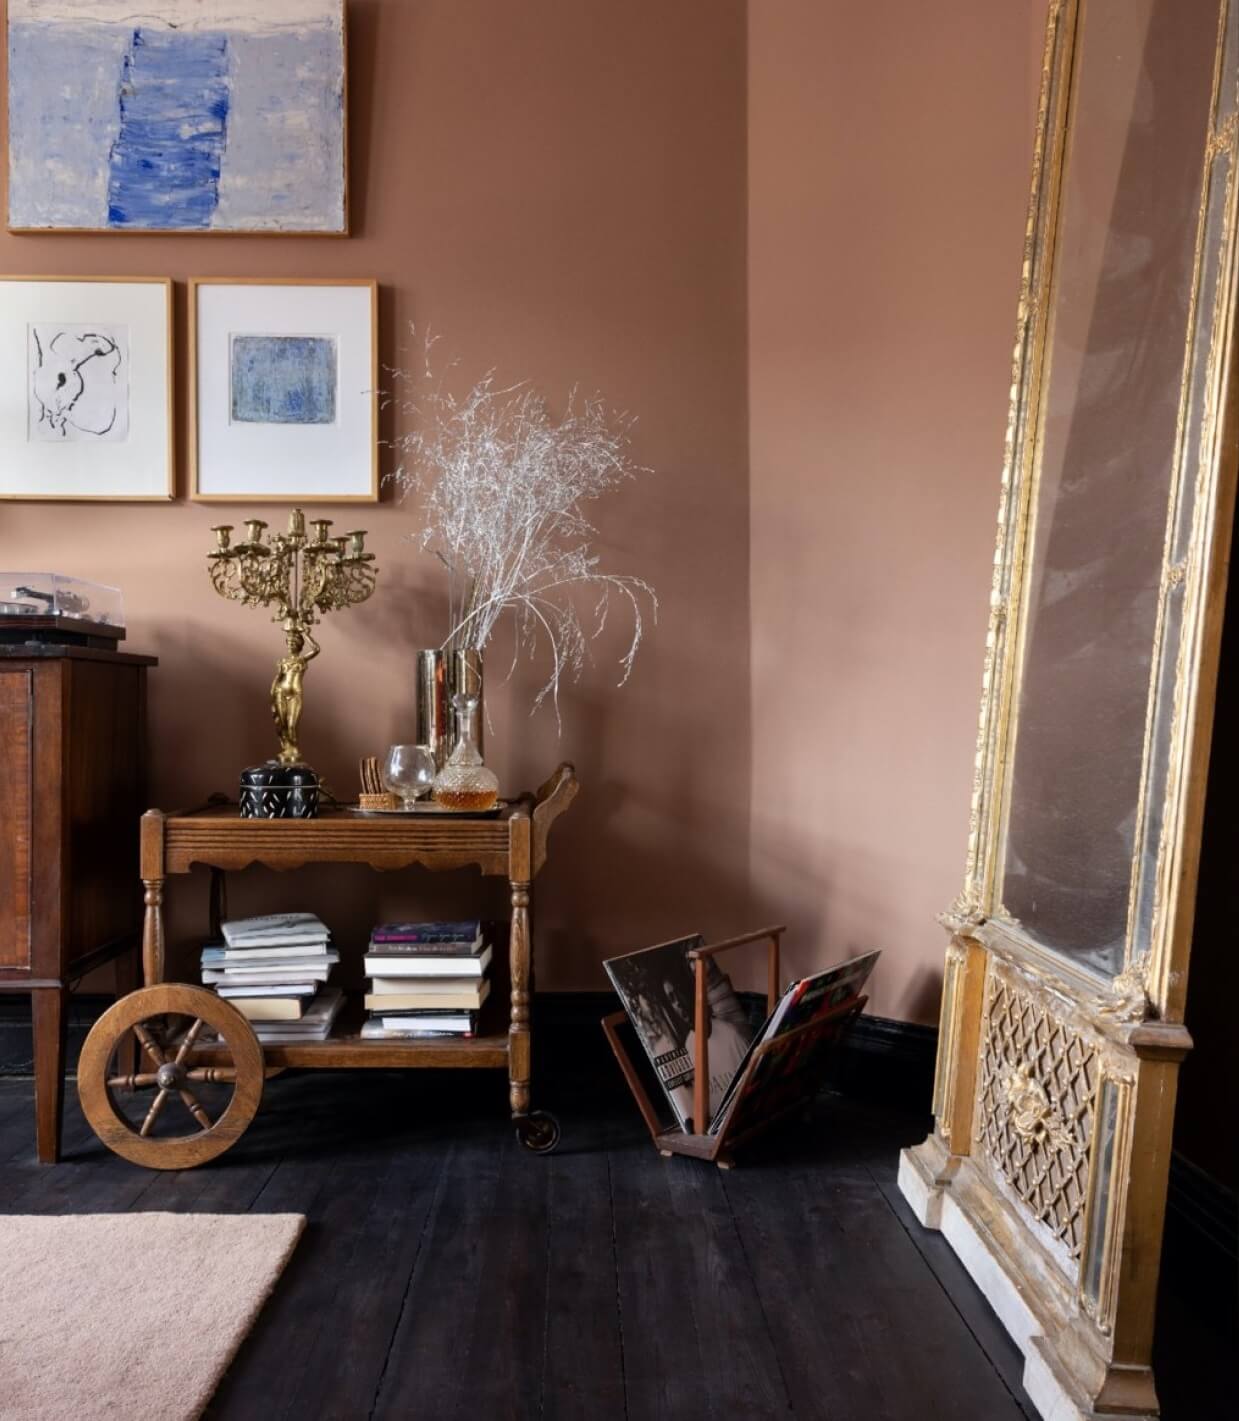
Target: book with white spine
[[274, 929], [252, 991], [263, 979], [269, 953], [427, 996], [386, 965]]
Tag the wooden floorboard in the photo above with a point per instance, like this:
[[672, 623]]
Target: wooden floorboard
[[695, 1335], [472, 1329], [859, 1321], [966, 1298], [267, 1366], [446, 1273], [583, 1363]]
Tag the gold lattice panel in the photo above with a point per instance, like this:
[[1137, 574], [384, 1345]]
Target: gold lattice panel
[[1035, 1107]]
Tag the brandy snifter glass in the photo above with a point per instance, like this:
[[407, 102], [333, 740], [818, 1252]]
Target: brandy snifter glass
[[409, 772]]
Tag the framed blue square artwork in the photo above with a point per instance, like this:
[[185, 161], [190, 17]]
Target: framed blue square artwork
[[283, 390], [283, 379]]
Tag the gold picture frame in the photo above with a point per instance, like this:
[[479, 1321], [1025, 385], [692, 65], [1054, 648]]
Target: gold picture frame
[[158, 448], [205, 486]]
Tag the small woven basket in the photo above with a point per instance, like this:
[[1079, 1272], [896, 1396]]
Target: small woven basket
[[377, 801]]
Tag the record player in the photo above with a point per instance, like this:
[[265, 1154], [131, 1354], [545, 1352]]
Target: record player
[[52, 608]]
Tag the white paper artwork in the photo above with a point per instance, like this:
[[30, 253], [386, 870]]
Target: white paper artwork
[[78, 388]]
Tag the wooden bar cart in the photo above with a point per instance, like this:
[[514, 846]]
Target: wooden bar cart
[[156, 1040]]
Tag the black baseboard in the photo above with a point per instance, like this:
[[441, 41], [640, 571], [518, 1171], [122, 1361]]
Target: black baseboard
[[16, 1037], [885, 1062], [888, 1062]]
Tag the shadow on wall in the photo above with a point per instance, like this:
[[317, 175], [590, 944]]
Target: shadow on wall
[[844, 883], [667, 836]]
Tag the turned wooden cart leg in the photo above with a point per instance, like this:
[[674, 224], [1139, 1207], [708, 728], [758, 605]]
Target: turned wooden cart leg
[[152, 932], [151, 852], [49, 1010], [537, 1130], [518, 1031]]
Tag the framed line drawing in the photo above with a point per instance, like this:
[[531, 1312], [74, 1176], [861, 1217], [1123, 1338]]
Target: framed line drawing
[[86, 388], [283, 390], [178, 116]]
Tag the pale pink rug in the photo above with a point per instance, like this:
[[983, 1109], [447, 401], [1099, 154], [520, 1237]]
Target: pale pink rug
[[130, 1315]]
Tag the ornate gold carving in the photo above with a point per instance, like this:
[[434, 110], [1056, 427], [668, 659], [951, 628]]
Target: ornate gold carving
[[1222, 139], [1035, 1108], [1031, 1115], [964, 915], [1129, 993]]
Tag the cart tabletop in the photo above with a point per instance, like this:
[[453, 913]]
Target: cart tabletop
[[511, 844]]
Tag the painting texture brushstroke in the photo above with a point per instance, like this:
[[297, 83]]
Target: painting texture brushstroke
[[63, 120], [283, 380], [176, 115], [173, 121]]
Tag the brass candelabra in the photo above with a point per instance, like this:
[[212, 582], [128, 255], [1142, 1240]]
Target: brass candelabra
[[301, 577]]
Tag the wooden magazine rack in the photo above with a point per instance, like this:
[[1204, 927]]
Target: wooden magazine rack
[[796, 1090]]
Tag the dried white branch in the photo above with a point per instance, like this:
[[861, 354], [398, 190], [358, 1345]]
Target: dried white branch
[[503, 484]]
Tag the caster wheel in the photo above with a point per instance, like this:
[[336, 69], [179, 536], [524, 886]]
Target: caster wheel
[[538, 1132], [171, 1113]]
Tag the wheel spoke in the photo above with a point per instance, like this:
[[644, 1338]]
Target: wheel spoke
[[153, 1113], [144, 1081], [149, 1044], [212, 1075], [195, 1109], [190, 1037]]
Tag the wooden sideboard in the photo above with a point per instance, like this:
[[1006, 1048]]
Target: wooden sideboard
[[72, 788]]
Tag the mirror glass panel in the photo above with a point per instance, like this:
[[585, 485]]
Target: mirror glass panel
[[1119, 315]]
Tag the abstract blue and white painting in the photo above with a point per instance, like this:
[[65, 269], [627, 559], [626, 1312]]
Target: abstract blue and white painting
[[283, 380], [177, 115]]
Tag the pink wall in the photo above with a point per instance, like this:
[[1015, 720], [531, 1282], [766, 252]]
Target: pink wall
[[558, 189], [889, 148]]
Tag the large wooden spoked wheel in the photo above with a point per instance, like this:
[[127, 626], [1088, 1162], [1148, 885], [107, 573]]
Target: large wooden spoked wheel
[[169, 1113]]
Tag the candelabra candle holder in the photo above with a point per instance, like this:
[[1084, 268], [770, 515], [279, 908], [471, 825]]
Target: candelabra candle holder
[[301, 577]]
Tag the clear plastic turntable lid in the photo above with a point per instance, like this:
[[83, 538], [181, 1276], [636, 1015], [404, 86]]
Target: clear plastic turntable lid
[[55, 594]]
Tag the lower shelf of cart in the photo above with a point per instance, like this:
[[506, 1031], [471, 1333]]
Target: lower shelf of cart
[[346, 1047], [353, 1051], [465, 1052]]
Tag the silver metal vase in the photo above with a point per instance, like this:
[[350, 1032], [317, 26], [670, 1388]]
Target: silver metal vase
[[440, 676]]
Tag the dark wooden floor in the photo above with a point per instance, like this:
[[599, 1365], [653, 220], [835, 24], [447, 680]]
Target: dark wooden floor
[[446, 1273]]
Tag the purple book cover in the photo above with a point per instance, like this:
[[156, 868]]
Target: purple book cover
[[463, 935]]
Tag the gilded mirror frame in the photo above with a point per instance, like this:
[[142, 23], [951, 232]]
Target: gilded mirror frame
[[1054, 1092], [1193, 573]]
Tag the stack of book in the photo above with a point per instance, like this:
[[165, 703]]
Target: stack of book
[[274, 970], [426, 980]]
